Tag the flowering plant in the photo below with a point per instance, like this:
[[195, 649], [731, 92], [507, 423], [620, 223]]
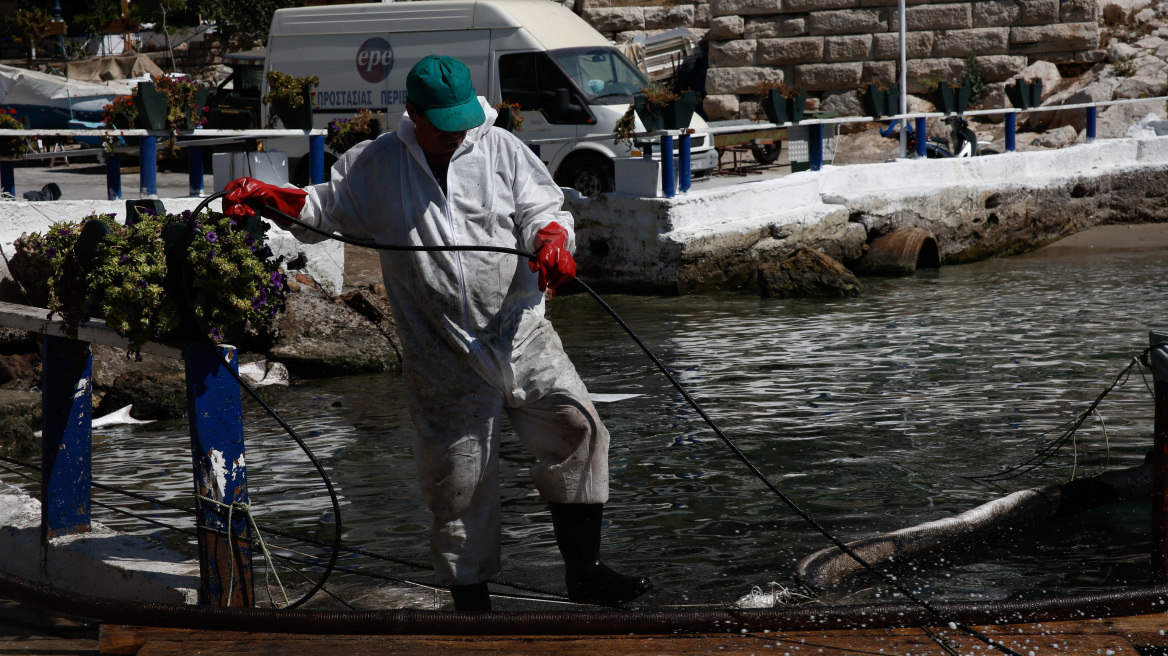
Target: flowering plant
[[515, 113], [184, 106], [12, 146], [118, 115], [228, 275], [289, 91], [344, 133]]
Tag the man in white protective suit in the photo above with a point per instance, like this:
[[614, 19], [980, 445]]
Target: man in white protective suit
[[474, 337]]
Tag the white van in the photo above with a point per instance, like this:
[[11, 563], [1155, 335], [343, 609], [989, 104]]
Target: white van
[[570, 82]]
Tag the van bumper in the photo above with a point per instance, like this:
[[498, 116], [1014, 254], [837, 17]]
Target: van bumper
[[703, 164]]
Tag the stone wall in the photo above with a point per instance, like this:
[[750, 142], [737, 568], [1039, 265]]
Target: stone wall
[[833, 47]]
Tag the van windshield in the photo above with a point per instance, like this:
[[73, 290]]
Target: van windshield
[[604, 74]]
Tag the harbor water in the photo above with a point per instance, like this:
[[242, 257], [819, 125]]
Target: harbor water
[[872, 413]]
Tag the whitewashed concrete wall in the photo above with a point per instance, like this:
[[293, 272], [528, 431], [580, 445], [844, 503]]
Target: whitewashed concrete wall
[[325, 261]]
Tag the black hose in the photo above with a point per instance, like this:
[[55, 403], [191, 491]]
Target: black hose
[[1120, 603]]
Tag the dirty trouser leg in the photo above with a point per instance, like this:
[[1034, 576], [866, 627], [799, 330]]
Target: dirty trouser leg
[[559, 425], [457, 454]]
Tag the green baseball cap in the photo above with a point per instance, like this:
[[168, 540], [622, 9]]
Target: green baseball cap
[[441, 86]]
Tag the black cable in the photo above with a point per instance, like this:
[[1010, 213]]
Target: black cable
[[888, 578]]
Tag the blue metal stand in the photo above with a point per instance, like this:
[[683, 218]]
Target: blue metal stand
[[216, 420], [195, 170], [316, 159], [922, 137], [684, 163], [148, 167], [1159, 361], [8, 179], [1011, 132], [815, 145], [1092, 112], [66, 414], [113, 177], [667, 181]]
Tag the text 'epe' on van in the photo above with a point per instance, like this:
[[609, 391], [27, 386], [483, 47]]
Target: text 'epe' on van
[[570, 82]]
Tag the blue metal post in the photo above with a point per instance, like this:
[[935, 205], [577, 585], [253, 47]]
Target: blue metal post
[[922, 130], [1011, 132], [1092, 112], [195, 170], [216, 420], [113, 177], [66, 415], [684, 163], [316, 159], [1159, 362], [148, 167], [815, 145], [8, 178], [667, 182]]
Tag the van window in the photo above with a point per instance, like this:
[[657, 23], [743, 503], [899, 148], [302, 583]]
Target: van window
[[604, 74], [532, 80]]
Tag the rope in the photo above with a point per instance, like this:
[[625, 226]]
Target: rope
[[245, 508]]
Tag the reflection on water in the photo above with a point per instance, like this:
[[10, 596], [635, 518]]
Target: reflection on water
[[868, 412]]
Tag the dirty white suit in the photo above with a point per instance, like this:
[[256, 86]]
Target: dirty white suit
[[474, 337]]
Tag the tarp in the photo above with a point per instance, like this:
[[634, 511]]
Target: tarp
[[120, 67], [51, 101]]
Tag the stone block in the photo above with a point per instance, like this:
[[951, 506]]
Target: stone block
[[933, 17], [883, 71], [739, 52], [851, 47], [1141, 85], [787, 52], [1079, 11], [724, 28], [848, 21], [996, 68], [935, 69], [744, 7], [803, 6], [963, 43], [891, 3], [918, 45], [615, 19], [720, 107], [743, 79], [845, 103], [1073, 37], [701, 15], [772, 27], [830, 77], [667, 18]]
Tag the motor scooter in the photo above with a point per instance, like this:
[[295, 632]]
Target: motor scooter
[[962, 141]]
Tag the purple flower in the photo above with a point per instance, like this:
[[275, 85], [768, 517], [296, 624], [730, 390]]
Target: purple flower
[[212, 237], [210, 255], [215, 334], [65, 232], [51, 252], [277, 279], [249, 240], [142, 283], [186, 214], [265, 252], [125, 258]]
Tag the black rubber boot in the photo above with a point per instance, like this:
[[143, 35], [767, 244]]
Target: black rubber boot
[[471, 597], [577, 527]]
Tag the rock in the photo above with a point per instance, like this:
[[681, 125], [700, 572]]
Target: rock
[[1045, 71], [1144, 84], [154, 394], [723, 106], [846, 103], [317, 337], [1057, 138], [724, 28], [1115, 121], [1098, 91], [20, 371], [807, 273], [20, 418]]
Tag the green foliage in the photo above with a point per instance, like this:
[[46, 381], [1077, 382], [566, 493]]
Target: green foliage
[[625, 125], [12, 146], [252, 18], [1124, 67], [287, 89], [977, 85], [29, 27], [344, 133]]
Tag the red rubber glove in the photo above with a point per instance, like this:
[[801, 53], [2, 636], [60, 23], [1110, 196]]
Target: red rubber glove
[[552, 259], [242, 190]]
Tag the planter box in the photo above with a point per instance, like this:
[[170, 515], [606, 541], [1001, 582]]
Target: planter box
[[784, 110], [296, 118], [878, 102], [1025, 95], [950, 100], [504, 119], [196, 112], [674, 116], [151, 104]]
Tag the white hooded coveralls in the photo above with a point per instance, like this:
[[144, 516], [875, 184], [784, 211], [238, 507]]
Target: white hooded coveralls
[[474, 338]]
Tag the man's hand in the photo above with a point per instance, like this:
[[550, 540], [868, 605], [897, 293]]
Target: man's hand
[[244, 190], [552, 259]]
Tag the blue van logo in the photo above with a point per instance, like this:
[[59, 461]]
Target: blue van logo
[[375, 60]]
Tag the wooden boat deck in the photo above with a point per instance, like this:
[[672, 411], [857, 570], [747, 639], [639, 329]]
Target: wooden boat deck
[[1125, 636]]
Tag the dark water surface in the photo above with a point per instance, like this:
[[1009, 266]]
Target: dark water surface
[[871, 413]]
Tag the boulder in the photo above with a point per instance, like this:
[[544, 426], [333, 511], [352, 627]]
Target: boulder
[[20, 418], [807, 272], [1057, 138], [154, 394]]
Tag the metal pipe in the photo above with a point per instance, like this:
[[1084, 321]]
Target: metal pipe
[[668, 184], [113, 177], [684, 163], [1011, 132], [1092, 112], [815, 146], [67, 401], [148, 167], [1159, 361], [8, 179], [903, 75], [922, 130], [316, 159], [195, 170]]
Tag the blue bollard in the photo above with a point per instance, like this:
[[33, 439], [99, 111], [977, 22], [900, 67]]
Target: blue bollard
[[684, 163], [195, 170], [66, 416], [216, 421], [922, 130], [815, 145], [1092, 112], [667, 181], [316, 159], [148, 167], [1011, 132], [8, 179], [113, 177]]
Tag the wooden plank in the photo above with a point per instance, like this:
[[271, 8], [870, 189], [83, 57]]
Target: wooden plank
[[35, 320]]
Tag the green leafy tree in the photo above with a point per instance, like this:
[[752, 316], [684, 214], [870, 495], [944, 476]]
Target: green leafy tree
[[29, 27], [249, 18]]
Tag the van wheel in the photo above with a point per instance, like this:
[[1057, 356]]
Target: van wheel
[[588, 173], [767, 153], [300, 173]]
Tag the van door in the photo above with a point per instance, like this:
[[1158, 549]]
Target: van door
[[551, 104]]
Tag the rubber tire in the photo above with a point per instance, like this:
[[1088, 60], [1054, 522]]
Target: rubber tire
[[591, 174], [988, 151], [764, 154], [300, 171]]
